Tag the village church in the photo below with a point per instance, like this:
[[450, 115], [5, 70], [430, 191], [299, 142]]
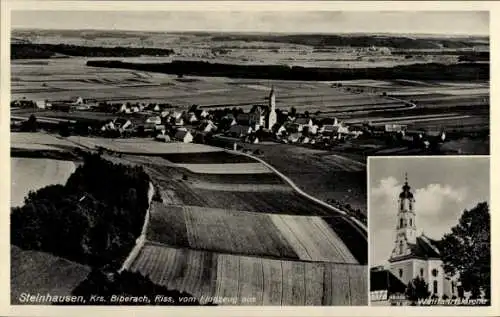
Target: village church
[[417, 255]]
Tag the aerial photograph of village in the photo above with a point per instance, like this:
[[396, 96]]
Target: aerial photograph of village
[[184, 158]]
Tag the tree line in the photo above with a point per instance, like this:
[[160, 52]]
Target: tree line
[[31, 50], [332, 40], [428, 71]]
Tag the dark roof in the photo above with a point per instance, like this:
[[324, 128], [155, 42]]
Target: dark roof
[[247, 118], [302, 120], [180, 134], [423, 248], [385, 280]]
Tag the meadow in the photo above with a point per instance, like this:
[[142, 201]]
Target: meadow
[[34, 272]]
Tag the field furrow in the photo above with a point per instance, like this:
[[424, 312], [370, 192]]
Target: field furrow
[[329, 242], [167, 225], [273, 282], [298, 284], [298, 227], [340, 286], [314, 273], [246, 279], [358, 284], [254, 280], [290, 237]]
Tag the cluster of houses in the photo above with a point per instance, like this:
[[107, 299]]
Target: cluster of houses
[[167, 123]]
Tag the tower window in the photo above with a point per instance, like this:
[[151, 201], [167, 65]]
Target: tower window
[[411, 224], [422, 272], [400, 247], [434, 272], [401, 223], [400, 273], [435, 286]]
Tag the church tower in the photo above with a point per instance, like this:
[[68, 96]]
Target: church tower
[[406, 232], [272, 110]]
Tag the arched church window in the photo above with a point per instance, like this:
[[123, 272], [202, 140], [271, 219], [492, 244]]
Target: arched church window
[[401, 223], [435, 286], [411, 223], [400, 273], [400, 247], [422, 272], [434, 272]]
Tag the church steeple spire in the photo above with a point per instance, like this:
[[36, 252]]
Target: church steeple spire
[[272, 117], [406, 227], [406, 190]]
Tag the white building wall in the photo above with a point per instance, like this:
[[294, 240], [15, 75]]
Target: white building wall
[[435, 264], [407, 268]]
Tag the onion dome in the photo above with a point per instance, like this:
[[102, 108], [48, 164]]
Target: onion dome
[[406, 193]]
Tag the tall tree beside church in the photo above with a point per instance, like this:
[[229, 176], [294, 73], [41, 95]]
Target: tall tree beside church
[[466, 250], [417, 289]]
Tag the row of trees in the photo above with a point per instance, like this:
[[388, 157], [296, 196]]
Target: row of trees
[[31, 50], [356, 213], [331, 40], [427, 71]]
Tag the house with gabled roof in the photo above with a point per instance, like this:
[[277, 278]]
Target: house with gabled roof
[[183, 136]]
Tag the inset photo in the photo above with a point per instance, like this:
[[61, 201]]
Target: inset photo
[[429, 223]]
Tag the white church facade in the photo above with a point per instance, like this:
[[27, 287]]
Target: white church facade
[[417, 255]]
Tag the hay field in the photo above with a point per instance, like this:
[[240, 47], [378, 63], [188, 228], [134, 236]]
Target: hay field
[[39, 141], [141, 146], [247, 233], [41, 273], [29, 174], [227, 168], [158, 166], [261, 281]]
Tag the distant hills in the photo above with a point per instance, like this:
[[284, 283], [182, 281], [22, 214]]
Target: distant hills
[[396, 41]]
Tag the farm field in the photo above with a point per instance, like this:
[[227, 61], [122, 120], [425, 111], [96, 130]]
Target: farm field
[[267, 281], [174, 172], [63, 79], [227, 168], [246, 233], [41, 273], [280, 202], [141, 146], [220, 157], [320, 173], [39, 141], [30, 174]]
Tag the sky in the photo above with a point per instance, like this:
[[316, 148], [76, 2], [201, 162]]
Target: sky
[[443, 188], [423, 22]]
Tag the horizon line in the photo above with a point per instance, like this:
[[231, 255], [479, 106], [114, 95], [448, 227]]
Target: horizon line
[[258, 32]]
